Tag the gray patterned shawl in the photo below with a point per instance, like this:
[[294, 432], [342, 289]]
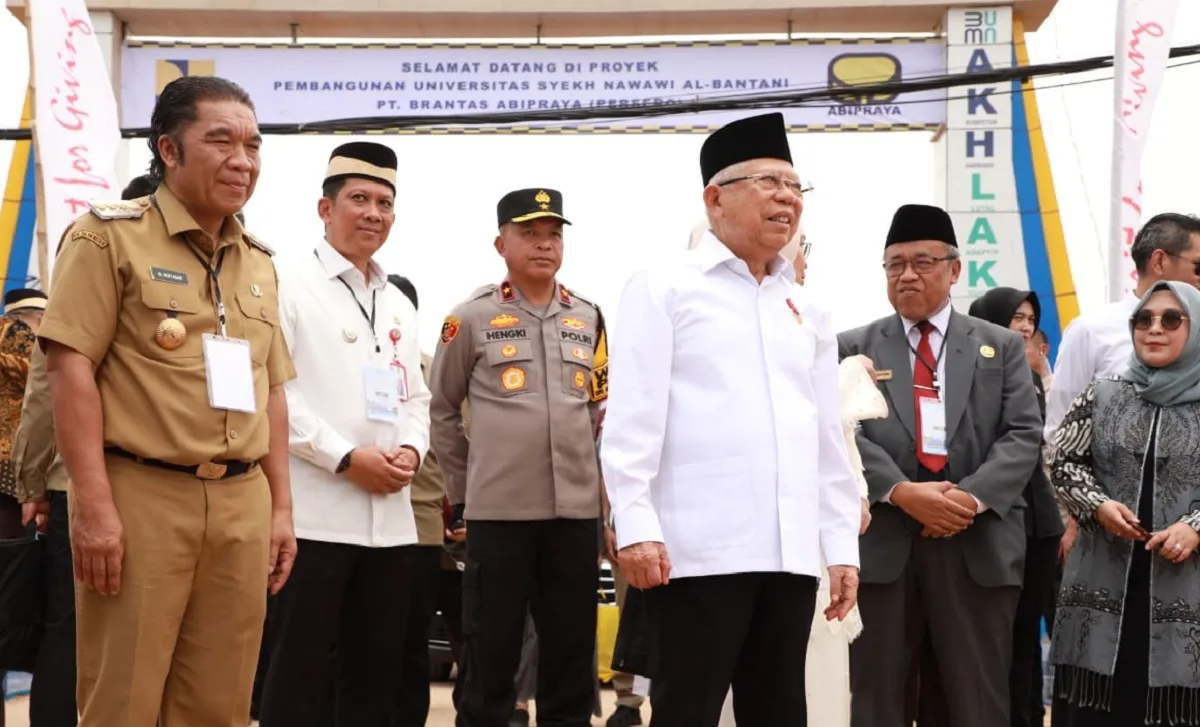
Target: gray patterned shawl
[[1099, 456]]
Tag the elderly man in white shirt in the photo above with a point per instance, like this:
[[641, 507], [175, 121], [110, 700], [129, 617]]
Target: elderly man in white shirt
[[723, 452], [359, 419]]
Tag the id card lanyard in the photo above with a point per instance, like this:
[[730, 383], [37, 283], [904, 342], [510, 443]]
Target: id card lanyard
[[370, 318], [933, 368], [214, 274]]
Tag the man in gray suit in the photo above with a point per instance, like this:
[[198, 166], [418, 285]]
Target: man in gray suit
[[942, 560]]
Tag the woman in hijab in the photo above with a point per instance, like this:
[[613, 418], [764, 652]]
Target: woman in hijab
[[1020, 311], [827, 673], [1126, 642]]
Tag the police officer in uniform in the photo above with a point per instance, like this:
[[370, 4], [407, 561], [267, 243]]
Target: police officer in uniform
[[167, 366], [531, 359]]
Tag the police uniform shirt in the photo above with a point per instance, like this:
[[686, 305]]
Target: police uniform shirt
[[723, 435], [533, 380], [125, 267], [428, 492], [323, 298]]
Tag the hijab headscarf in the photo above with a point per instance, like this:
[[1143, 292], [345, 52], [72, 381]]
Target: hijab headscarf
[[999, 305], [1178, 382]]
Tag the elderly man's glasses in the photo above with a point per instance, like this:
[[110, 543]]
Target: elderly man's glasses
[[771, 183], [922, 265], [805, 247], [1144, 320]]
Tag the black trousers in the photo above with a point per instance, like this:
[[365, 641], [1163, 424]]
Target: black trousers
[[748, 630], [549, 567], [52, 696], [1025, 678], [451, 606], [10, 529], [352, 601], [412, 700]]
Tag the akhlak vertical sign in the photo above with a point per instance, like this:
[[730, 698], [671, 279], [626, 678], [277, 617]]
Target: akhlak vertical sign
[[981, 188]]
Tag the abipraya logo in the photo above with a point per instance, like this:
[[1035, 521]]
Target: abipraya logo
[[849, 70], [166, 71]]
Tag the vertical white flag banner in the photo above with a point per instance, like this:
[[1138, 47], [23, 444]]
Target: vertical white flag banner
[[1139, 62], [75, 115]]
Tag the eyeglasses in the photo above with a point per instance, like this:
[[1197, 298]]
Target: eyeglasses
[[1171, 320], [1194, 263], [922, 265], [772, 183], [805, 248]]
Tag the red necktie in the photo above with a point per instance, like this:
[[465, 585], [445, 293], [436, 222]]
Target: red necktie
[[923, 388]]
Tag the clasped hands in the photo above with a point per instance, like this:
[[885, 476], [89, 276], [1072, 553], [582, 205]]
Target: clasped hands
[[381, 472], [1175, 543], [941, 507]]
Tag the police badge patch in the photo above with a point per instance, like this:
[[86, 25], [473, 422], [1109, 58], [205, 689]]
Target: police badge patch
[[450, 328]]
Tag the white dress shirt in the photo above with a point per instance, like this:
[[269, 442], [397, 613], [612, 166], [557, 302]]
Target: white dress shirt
[[1095, 344], [722, 435], [327, 409]]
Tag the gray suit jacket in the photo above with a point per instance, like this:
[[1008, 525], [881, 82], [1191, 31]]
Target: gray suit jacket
[[993, 426]]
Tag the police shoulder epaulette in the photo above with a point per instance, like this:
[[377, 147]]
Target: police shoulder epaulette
[[577, 296], [483, 292], [120, 209], [259, 243]]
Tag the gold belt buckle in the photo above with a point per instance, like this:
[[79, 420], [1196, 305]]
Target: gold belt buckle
[[211, 471]]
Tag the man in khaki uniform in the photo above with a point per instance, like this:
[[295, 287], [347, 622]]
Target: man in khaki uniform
[[530, 357], [167, 368]]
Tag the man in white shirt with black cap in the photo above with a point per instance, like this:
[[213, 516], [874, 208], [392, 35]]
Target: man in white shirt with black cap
[[723, 452], [359, 420]]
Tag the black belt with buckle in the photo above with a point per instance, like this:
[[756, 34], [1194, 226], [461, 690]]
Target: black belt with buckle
[[207, 471]]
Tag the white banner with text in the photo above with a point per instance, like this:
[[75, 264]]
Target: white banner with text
[[75, 115], [296, 84], [1143, 43]]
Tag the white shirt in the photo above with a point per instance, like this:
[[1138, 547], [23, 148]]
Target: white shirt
[[327, 409], [723, 437], [1095, 344]]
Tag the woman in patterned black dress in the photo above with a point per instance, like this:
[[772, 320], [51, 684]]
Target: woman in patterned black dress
[[1127, 465]]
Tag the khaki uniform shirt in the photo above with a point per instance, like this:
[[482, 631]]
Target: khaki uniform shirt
[[36, 463], [534, 381], [428, 490], [124, 268]]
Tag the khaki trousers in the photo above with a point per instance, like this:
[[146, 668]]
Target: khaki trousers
[[178, 646], [622, 682]]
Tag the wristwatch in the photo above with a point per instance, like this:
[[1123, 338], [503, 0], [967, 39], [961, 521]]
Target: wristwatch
[[344, 464]]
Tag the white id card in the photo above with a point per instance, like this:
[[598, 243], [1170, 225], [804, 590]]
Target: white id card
[[230, 376], [380, 385], [933, 427], [401, 380]]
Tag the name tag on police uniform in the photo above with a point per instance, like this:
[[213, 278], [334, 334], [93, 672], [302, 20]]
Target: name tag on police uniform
[[230, 376], [381, 386]]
